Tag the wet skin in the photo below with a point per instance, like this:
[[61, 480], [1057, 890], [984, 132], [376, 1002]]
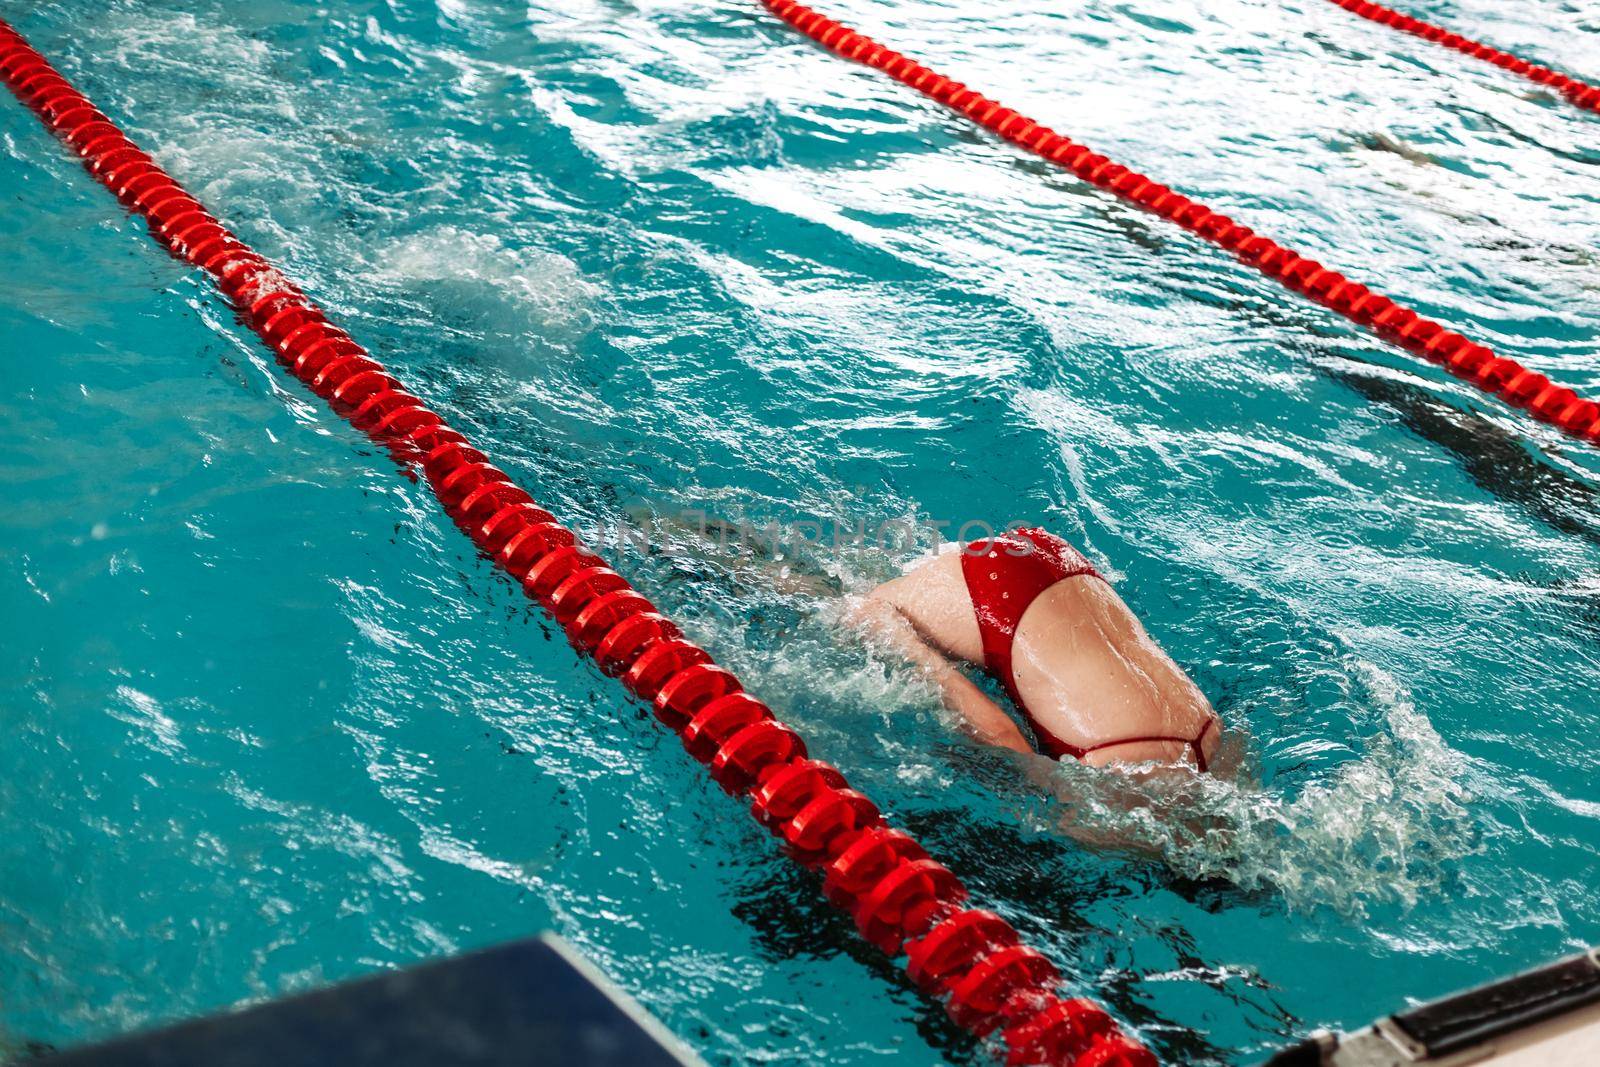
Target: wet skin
[[1083, 663]]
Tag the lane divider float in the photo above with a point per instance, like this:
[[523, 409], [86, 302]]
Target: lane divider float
[[1580, 93], [1497, 375], [902, 900]]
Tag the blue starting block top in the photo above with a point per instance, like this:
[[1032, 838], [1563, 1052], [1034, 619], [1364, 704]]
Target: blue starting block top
[[527, 1003]]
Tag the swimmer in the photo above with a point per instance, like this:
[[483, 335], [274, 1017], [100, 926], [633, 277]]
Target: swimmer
[[1032, 611]]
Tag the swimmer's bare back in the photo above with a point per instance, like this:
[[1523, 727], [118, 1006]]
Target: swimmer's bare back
[[1078, 664]]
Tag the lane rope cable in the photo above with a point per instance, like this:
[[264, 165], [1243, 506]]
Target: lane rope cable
[[1393, 321], [1578, 92], [902, 899]]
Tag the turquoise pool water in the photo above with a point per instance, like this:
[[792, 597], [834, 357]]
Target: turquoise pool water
[[269, 723]]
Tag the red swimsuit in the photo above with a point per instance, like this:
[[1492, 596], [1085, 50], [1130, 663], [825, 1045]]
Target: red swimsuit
[[1004, 575]]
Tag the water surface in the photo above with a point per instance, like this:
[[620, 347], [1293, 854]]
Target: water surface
[[270, 723]]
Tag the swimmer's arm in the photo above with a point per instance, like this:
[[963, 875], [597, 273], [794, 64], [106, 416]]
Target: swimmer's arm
[[984, 719]]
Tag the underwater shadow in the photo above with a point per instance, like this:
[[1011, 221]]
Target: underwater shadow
[[1498, 461], [1027, 875]]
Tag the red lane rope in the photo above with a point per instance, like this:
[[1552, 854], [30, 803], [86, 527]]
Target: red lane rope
[[1475, 363], [901, 899], [1580, 93]]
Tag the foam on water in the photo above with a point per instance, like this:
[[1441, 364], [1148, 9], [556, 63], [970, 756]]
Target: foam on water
[[535, 295], [1387, 827]]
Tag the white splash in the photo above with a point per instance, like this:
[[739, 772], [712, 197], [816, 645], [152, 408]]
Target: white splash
[[1384, 829], [483, 277]]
